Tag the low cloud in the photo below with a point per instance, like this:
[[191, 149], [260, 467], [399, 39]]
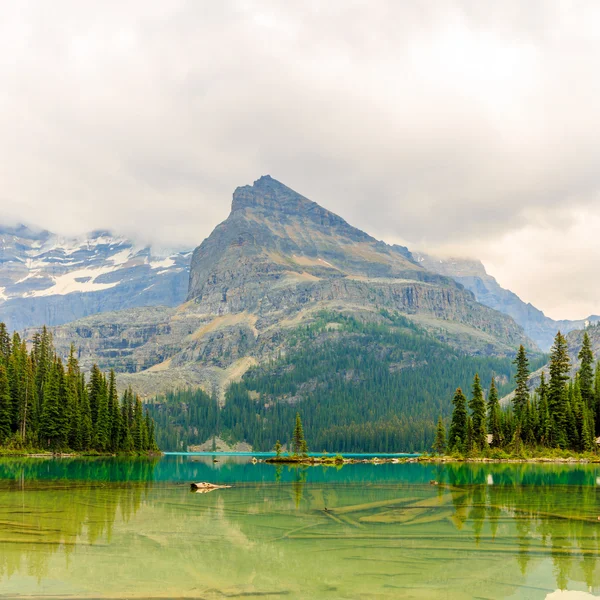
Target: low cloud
[[467, 126]]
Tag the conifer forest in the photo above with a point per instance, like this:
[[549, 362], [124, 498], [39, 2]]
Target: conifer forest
[[48, 405]]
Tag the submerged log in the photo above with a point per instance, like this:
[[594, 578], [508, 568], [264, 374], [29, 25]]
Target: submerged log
[[204, 487]]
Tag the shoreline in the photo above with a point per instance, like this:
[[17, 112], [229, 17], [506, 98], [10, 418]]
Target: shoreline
[[329, 460], [37, 454], [340, 460]]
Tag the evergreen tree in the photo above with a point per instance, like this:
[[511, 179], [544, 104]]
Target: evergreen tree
[[458, 427], [439, 446], [277, 448], [521, 396], [5, 406], [478, 415], [298, 442], [114, 408], [45, 404], [51, 419], [557, 391], [596, 409], [586, 371], [494, 411], [470, 436]]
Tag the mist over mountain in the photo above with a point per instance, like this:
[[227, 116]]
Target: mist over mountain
[[50, 279], [275, 264], [472, 274]]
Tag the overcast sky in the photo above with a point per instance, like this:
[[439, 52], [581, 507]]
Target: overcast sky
[[453, 126]]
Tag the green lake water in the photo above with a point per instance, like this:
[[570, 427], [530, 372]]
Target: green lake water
[[76, 528]]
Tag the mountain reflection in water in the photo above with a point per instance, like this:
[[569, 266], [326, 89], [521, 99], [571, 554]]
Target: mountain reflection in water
[[100, 528]]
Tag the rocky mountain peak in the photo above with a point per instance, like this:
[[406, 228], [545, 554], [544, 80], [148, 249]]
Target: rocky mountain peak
[[270, 197]]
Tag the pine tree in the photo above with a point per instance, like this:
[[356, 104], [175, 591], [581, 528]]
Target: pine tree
[[114, 408], [102, 426], [493, 405], [470, 441], [46, 404], [277, 448], [298, 442], [5, 406], [521, 396], [50, 422], [439, 446], [477, 406], [96, 389], [557, 391], [4, 344], [586, 371], [138, 425], [458, 427]]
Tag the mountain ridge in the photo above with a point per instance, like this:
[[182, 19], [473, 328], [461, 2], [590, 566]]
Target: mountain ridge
[[51, 279], [472, 274], [276, 263]]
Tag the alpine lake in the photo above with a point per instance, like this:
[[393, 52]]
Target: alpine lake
[[131, 528]]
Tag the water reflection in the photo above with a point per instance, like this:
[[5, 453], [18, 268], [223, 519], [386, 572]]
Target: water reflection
[[101, 528]]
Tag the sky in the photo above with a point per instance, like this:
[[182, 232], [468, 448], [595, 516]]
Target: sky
[[457, 127]]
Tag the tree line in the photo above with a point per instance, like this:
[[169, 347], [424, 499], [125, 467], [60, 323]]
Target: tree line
[[45, 404], [562, 412], [361, 386]]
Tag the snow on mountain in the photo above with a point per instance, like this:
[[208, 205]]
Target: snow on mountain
[[51, 279]]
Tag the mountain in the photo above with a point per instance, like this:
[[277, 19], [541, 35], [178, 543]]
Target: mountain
[[49, 279], [472, 274], [277, 262]]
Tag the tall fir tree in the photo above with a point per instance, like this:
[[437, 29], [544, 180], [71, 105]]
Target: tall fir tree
[[5, 406], [494, 411], [45, 404], [521, 396], [439, 445], [557, 391], [586, 371], [298, 441], [478, 414], [457, 435]]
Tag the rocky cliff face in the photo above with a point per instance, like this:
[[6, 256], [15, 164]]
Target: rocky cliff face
[[276, 262], [48, 279], [472, 274]]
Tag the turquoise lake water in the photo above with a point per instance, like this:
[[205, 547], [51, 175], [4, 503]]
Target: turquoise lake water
[[118, 528]]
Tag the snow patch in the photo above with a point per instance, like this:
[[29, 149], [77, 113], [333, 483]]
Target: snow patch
[[67, 283], [162, 264], [120, 258]]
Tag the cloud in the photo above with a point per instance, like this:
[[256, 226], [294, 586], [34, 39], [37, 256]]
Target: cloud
[[462, 125]]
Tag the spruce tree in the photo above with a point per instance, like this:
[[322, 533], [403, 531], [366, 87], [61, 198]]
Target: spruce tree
[[458, 426], [298, 442], [5, 406], [439, 445], [521, 396], [596, 409], [114, 408], [478, 415], [557, 391], [51, 418], [470, 436], [493, 405], [586, 371]]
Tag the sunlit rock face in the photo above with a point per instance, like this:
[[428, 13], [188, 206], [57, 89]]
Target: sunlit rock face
[[276, 263], [49, 279]]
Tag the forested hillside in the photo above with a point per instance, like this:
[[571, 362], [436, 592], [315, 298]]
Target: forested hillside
[[47, 405], [359, 386]]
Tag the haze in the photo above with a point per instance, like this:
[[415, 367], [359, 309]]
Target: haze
[[460, 127]]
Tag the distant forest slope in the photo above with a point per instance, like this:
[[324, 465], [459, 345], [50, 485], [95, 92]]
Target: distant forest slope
[[359, 386]]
